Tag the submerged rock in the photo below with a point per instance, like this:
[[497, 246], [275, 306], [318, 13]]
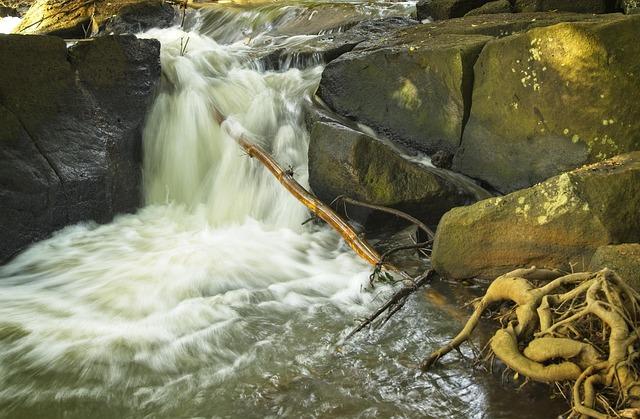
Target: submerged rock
[[446, 9], [552, 99], [412, 89], [624, 259], [346, 161], [77, 18], [556, 224], [70, 136]]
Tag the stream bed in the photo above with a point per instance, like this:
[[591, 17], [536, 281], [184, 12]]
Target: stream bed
[[214, 300]]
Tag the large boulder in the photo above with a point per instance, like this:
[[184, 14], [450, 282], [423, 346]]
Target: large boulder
[[346, 161], [446, 9], [414, 90], [552, 99], [70, 131], [78, 18], [580, 6], [622, 258], [498, 24], [556, 224]]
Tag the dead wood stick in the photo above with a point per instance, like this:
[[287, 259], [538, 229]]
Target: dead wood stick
[[396, 302], [422, 226], [319, 208]]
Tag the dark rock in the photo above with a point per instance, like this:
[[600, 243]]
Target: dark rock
[[138, 17], [70, 137], [445, 9], [581, 6], [494, 7], [624, 259], [327, 48], [412, 89], [552, 99], [8, 12], [346, 161], [556, 224], [442, 159]]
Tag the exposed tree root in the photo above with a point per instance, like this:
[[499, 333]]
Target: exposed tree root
[[580, 328]]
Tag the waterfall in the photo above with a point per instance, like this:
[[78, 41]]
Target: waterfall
[[214, 300]]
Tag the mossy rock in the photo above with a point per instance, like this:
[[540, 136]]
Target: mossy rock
[[556, 224], [552, 99], [576, 6], [624, 259], [446, 9], [414, 91], [345, 161], [493, 7], [499, 24]]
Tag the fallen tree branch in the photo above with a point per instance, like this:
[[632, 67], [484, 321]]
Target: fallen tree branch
[[422, 226], [395, 302], [359, 245]]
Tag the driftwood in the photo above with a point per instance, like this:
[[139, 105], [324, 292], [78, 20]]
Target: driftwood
[[359, 245]]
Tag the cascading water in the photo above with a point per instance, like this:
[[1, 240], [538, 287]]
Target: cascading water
[[214, 300]]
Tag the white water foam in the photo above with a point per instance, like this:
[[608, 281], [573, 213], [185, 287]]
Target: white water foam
[[168, 288]]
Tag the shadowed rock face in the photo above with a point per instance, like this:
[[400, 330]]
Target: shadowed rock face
[[624, 259], [559, 223], [551, 99], [345, 161], [70, 137]]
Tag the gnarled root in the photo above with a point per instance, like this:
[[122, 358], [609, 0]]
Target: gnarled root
[[578, 328]]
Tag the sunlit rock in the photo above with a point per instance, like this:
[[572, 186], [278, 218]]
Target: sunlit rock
[[77, 18], [552, 99], [556, 224], [413, 89]]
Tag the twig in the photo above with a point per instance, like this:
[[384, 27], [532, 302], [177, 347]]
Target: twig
[[396, 302], [422, 226]]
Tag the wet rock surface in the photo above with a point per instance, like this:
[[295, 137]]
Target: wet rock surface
[[70, 136]]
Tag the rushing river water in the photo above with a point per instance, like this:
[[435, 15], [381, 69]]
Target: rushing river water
[[214, 300]]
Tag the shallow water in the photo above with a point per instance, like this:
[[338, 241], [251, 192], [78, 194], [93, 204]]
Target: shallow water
[[214, 300]]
